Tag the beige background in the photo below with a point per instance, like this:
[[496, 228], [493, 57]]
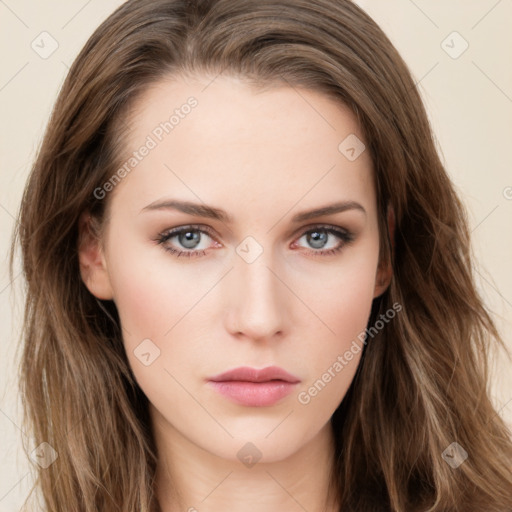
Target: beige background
[[469, 99]]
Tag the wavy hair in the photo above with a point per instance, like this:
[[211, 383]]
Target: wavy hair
[[422, 383]]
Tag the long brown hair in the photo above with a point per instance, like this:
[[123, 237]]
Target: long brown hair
[[422, 383]]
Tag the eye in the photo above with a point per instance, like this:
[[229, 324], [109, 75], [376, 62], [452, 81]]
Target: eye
[[191, 241], [318, 238], [190, 238]]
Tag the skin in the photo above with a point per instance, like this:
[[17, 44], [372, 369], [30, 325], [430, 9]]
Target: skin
[[291, 307]]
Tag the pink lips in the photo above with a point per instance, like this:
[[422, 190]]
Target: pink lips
[[254, 388]]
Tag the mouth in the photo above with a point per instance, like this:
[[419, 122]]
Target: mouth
[[254, 388]]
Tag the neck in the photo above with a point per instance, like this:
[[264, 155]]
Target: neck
[[191, 479]]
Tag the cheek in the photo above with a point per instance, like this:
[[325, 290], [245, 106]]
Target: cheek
[[341, 294], [151, 290], [347, 305], [144, 298], [333, 354], [166, 302]]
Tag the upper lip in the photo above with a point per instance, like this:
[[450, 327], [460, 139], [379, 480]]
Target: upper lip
[[248, 374]]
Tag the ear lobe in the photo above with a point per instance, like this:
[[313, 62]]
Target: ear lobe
[[383, 278], [385, 269], [93, 268]]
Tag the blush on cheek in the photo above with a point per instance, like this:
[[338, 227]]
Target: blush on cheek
[[152, 300], [347, 311]]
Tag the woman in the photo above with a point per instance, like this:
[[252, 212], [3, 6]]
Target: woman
[[249, 276]]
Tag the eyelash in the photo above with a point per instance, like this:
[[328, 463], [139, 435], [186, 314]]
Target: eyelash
[[346, 236]]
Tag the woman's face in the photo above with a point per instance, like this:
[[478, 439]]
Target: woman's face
[[254, 280]]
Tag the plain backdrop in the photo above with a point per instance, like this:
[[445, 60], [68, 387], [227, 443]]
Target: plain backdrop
[[460, 53]]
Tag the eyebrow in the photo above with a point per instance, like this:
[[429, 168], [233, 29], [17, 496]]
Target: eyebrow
[[203, 210]]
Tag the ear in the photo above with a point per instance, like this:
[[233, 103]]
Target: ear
[[385, 268], [93, 267]]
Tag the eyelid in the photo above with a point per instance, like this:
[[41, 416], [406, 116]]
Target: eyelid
[[319, 225], [193, 227]]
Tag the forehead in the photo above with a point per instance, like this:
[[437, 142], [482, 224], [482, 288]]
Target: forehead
[[224, 140]]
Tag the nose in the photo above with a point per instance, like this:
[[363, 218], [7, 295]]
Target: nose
[[256, 307]]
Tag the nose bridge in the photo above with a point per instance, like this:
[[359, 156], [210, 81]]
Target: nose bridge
[[255, 307]]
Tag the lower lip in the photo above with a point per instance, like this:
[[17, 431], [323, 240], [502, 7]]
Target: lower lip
[[254, 394]]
